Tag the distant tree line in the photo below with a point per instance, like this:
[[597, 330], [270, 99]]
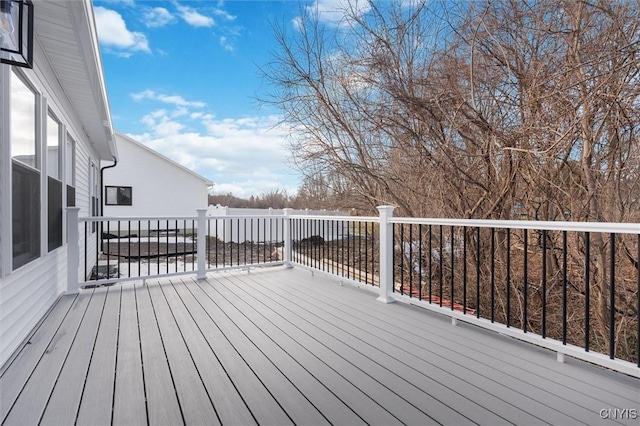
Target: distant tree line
[[276, 198]]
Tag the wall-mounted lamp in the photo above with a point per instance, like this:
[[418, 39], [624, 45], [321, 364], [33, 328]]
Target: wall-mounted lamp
[[16, 32], [6, 21]]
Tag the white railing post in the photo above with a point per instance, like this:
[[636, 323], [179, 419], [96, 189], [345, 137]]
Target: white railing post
[[202, 243], [386, 254], [287, 238], [73, 249]]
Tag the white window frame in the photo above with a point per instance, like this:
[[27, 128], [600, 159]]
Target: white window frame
[[39, 106]]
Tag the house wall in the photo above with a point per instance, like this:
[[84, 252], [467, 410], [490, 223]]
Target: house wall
[[28, 292], [159, 186]]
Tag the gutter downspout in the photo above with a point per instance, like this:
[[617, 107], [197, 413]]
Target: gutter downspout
[[115, 163], [102, 194]]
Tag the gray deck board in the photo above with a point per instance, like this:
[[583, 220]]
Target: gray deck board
[[268, 365], [349, 400], [129, 406], [228, 404], [323, 337], [263, 405], [601, 384], [97, 396], [498, 392], [194, 398], [162, 401], [18, 372], [64, 402], [280, 346], [27, 411]]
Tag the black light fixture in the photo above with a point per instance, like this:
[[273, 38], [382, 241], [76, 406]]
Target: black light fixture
[[16, 32]]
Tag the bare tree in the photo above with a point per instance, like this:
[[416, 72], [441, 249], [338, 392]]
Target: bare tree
[[493, 109]]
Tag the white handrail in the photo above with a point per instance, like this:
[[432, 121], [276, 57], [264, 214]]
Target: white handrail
[[617, 228]]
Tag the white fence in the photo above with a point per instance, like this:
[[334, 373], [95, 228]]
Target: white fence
[[260, 224]]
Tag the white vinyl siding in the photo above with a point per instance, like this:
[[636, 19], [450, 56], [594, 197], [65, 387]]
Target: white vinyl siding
[[159, 186], [26, 294]]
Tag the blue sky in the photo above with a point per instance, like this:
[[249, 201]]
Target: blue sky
[[182, 77]]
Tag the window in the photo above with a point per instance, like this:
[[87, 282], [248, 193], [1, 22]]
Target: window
[[118, 195], [53, 147], [70, 171], [25, 174], [54, 183]]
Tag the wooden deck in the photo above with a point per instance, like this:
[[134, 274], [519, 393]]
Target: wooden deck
[[280, 346]]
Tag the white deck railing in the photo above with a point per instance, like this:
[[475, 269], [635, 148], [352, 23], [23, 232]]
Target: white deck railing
[[541, 282]]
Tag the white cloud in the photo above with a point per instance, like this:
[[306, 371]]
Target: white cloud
[[226, 44], [245, 156], [193, 17], [335, 12], [113, 33], [158, 17], [168, 99], [224, 14]]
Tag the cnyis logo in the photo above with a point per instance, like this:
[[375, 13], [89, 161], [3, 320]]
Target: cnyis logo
[[619, 413]]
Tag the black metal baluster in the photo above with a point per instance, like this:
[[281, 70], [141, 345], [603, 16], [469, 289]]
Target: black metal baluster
[[231, 242], [349, 257], [239, 242], [478, 272], [335, 249], [158, 244], [86, 252], [430, 262], [298, 238], [587, 289], [314, 243], [410, 260], [401, 258], [366, 253], [148, 247], [452, 267], [216, 243], [139, 249], [342, 248], [612, 298], [393, 257], [360, 250], [564, 287], [525, 279], [441, 263], [99, 244], [128, 249], [464, 270], [270, 238], [420, 261], [176, 241], [224, 240], [373, 251], [544, 283], [251, 242], [508, 277], [193, 244], [277, 239], [493, 273]]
